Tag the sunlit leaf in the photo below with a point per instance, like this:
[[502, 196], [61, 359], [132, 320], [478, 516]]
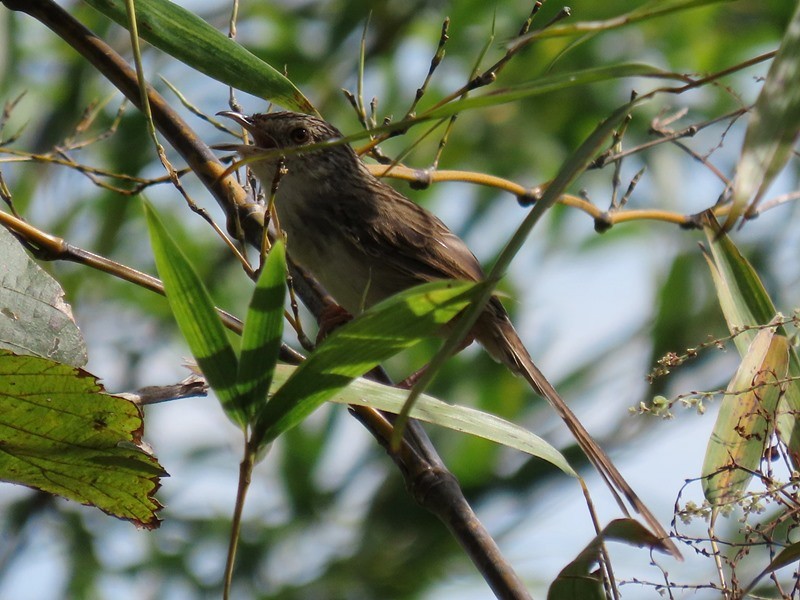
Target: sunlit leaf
[[191, 40], [196, 317], [362, 392], [263, 328], [378, 334], [60, 433]]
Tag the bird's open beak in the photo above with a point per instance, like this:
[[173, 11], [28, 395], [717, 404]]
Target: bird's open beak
[[245, 122], [261, 140], [241, 119]]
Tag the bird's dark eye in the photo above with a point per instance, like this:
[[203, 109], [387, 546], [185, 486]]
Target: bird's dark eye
[[299, 135]]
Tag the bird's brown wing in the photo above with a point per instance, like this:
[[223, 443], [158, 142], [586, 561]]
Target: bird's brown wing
[[422, 247]]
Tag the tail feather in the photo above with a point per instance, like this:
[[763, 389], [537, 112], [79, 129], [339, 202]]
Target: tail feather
[[496, 333]]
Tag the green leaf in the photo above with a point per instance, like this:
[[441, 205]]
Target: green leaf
[[650, 10], [184, 35], [676, 321], [785, 557], [773, 126], [263, 328], [547, 84], [742, 296], [379, 333], [577, 581], [746, 419], [196, 317], [745, 303], [590, 29], [62, 434], [362, 392], [34, 319]]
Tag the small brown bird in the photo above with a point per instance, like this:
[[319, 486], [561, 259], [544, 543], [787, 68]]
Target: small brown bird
[[364, 241]]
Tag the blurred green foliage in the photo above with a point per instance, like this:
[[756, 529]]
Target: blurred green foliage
[[328, 517]]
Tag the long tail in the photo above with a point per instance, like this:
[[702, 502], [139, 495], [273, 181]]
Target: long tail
[[496, 333]]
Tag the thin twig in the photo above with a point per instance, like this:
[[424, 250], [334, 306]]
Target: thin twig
[[193, 385]]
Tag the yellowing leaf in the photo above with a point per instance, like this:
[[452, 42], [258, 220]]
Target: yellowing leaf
[[745, 304], [746, 419]]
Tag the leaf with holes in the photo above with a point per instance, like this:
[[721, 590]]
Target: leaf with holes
[[60, 433]]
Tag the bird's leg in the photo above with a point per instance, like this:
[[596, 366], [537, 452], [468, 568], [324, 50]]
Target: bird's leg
[[332, 317], [409, 381]]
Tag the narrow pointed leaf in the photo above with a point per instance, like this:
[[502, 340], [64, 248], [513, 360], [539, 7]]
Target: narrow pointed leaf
[[187, 37], [263, 328], [197, 319], [746, 419], [651, 10], [63, 435], [745, 303], [785, 557], [773, 126], [378, 334], [362, 392], [547, 84], [580, 579], [742, 296]]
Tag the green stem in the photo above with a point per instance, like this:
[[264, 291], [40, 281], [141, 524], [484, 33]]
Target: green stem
[[245, 476]]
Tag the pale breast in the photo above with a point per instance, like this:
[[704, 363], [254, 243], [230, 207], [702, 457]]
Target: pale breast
[[318, 241]]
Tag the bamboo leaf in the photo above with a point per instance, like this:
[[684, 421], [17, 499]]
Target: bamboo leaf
[[263, 328], [547, 84], [197, 319], [362, 392], [773, 126], [785, 557], [746, 304], [746, 419], [580, 579], [650, 10], [187, 37], [379, 333]]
